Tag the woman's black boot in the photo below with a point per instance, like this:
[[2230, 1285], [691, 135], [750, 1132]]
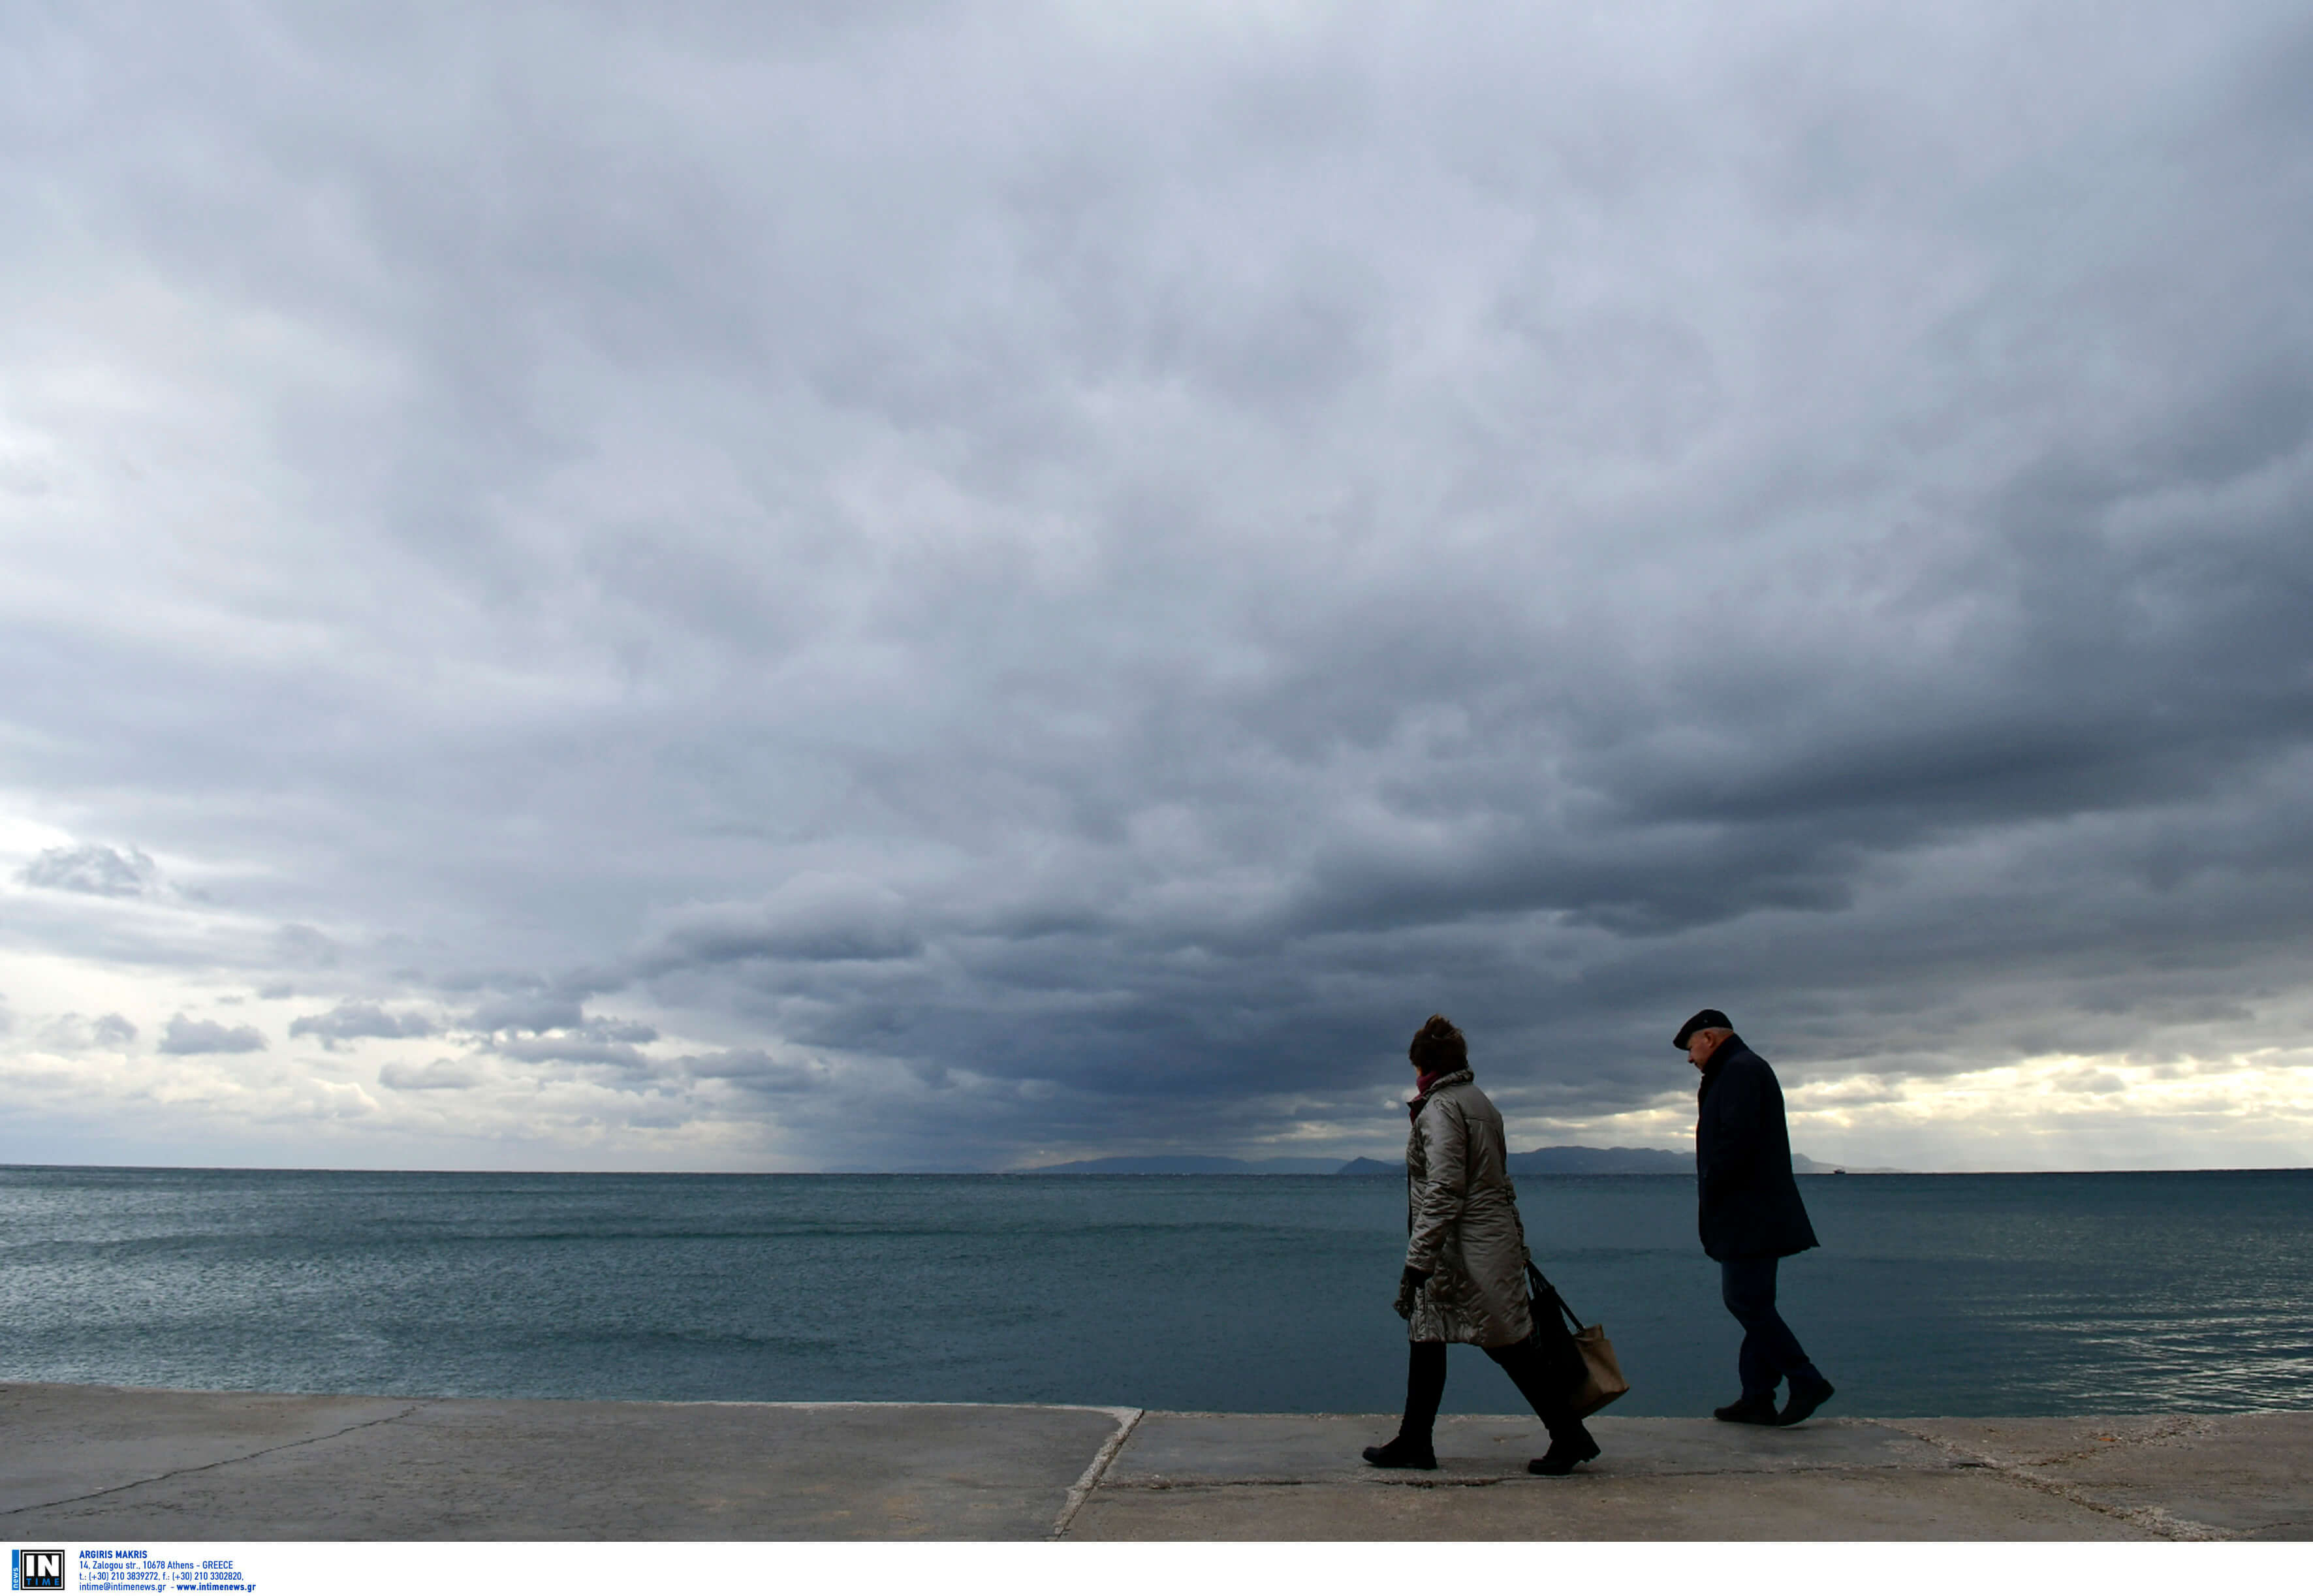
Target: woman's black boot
[[1570, 1443], [1402, 1453], [1425, 1387]]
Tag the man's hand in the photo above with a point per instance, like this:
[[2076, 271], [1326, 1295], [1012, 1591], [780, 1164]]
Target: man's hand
[[1412, 1279]]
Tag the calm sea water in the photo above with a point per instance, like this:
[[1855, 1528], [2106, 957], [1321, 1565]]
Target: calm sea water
[[1951, 1294]]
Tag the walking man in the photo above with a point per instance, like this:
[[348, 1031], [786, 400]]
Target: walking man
[[1750, 1215]]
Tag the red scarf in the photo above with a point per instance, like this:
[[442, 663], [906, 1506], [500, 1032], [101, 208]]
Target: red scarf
[[1424, 1085]]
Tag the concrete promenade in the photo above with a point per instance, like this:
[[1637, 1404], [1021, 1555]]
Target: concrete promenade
[[106, 1465]]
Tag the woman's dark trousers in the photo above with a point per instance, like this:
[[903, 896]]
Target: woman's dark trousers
[[1770, 1350], [1526, 1364]]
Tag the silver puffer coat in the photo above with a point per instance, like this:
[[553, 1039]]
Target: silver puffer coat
[[1462, 1223]]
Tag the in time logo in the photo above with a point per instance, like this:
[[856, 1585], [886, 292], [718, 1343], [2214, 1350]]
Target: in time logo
[[36, 1570]]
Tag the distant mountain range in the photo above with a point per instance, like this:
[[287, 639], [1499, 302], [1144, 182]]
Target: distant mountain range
[[1564, 1160], [1187, 1164], [1613, 1161], [1541, 1161]]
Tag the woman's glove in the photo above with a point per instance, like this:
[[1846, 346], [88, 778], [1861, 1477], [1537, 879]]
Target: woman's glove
[[1410, 1280]]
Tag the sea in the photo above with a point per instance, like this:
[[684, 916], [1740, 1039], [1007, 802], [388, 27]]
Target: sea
[[1982, 1294]]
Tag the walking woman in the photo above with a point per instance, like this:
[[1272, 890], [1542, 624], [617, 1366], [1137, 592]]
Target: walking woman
[[1466, 1259]]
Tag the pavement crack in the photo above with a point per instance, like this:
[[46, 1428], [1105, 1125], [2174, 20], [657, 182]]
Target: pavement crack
[[2156, 1520], [1081, 1491], [262, 1451], [2162, 1431]]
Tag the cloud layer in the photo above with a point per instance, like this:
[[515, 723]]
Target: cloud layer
[[909, 586]]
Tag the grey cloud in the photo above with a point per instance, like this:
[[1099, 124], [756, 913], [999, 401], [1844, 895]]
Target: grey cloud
[[1092, 621], [598, 1041], [94, 868], [566, 1048], [620, 1030], [443, 1074], [183, 1036], [535, 1012], [350, 1021], [518, 1001], [757, 1071], [74, 1034], [815, 918], [302, 947]]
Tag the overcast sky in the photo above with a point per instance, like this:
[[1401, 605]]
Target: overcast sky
[[848, 586]]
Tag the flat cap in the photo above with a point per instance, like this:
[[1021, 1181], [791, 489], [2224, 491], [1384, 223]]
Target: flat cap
[[1706, 1019]]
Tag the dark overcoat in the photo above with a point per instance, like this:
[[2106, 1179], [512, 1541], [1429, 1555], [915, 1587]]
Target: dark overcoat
[[1750, 1204]]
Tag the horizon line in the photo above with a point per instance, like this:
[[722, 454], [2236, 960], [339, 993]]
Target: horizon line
[[1049, 1170]]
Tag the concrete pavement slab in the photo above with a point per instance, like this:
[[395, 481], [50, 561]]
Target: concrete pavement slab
[[1286, 1477], [1831, 1504], [71, 1440], [2248, 1474], [509, 1470], [1212, 1447], [83, 1464]]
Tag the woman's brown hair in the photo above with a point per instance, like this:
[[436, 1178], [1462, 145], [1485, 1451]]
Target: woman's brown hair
[[1438, 1048]]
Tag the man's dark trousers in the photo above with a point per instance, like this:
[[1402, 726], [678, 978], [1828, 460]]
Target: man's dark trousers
[[1769, 1351]]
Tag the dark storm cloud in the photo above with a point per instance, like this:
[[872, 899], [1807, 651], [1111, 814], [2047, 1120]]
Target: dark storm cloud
[[1060, 580]]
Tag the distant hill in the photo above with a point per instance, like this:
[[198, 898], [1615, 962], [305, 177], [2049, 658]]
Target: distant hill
[[1601, 1160], [1563, 1161], [1541, 1161], [1611, 1160], [1190, 1164]]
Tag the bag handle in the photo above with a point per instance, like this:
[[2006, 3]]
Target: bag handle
[[1538, 1286]]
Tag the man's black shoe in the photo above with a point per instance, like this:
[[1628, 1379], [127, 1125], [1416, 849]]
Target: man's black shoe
[[1751, 1410], [1805, 1399], [1401, 1453], [1563, 1455]]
